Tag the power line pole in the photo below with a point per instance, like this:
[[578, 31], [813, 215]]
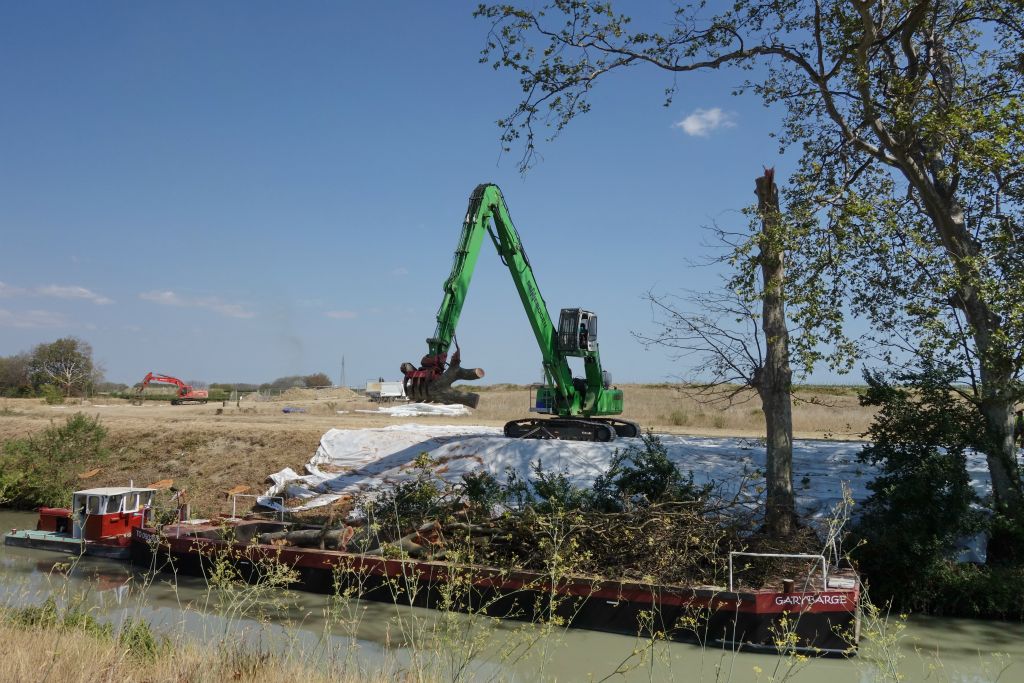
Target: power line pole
[[342, 383]]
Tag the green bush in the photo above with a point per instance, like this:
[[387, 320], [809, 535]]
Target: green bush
[[139, 641], [637, 475], [482, 491], [970, 590], [40, 469], [555, 491], [922, 502], [52, 395], [410, 502], [644, 474], [49, 615]]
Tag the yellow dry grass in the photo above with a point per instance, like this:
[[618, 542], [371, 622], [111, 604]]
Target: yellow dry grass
[[818, 412], [68, 656]]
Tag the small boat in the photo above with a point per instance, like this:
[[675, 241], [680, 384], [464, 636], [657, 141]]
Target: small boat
[[818, 615], [99, 522]]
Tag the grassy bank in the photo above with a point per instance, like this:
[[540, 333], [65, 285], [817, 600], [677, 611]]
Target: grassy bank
[[80, 654]]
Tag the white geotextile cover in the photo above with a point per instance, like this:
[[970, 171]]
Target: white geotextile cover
[[421, 409], [350, 461], [354, 460]]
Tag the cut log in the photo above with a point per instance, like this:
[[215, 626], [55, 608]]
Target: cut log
[[440, 389], [335, 539]]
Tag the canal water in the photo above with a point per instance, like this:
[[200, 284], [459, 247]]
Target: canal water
[[373, 635]]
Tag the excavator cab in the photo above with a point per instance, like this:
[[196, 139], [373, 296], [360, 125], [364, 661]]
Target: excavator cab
[[577, 331]]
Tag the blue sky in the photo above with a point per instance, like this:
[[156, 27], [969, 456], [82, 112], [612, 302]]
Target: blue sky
[[237, 191]]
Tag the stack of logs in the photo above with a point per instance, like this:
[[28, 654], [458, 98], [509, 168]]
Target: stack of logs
[[666, 543]]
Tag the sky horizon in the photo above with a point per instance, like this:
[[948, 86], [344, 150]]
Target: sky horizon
[[235, 192]]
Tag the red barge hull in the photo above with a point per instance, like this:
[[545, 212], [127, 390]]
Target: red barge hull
[[819, 622]]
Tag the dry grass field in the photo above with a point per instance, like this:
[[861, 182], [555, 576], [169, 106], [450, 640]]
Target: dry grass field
[[209, 449], [72, 656]]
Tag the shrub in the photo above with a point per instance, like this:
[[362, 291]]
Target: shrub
[[555, 491], [922, 502], [49, 615], [410, 502], [482, 491], [644, 474], [139, 641], [52, 395], [40, 469]]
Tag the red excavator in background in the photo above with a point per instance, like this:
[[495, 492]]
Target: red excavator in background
[[186, 394]]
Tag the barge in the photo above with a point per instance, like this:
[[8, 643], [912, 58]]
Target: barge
[[816, 615], [99, 522]]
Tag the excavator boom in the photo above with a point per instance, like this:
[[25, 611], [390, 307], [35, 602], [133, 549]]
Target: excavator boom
[[576, 401]]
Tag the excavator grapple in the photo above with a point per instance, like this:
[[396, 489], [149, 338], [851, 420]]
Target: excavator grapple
[[432, 381], [577, 403]]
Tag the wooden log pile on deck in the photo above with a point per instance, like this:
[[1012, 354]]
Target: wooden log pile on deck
[[667, 543]]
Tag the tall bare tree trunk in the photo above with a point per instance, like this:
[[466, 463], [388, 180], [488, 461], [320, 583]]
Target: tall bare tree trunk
[[774, 380]]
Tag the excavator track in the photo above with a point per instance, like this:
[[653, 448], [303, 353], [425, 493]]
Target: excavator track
[[564, 428], [572, 429], [623, 428]]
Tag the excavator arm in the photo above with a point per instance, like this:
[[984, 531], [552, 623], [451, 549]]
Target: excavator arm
[[575, 335], [186, 394]]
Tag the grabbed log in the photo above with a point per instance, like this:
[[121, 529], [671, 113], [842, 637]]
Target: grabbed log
[[427, 385]]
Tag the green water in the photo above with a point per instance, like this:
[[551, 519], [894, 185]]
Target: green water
[[372, 634]]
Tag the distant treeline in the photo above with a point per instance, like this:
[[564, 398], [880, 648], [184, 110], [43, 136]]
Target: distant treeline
[[65, 368]]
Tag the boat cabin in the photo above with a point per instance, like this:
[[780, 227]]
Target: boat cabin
[[104, 512]]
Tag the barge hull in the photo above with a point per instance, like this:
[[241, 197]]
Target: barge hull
[[822, 622], [115, 549]]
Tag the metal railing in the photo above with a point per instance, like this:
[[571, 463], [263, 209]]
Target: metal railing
[[795, 556]]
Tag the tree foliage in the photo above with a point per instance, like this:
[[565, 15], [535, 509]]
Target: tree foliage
[[317, 379], [66, 363], [922, 501], [909, 194], [15, 375]]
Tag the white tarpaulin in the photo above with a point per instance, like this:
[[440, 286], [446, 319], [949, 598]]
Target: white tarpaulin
[[351, 461], [421, 409], [355, 460]]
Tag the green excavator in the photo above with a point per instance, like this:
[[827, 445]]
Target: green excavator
[[578, 404]]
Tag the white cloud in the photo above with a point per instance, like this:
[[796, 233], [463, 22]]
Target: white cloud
[[702, 121], [26, 319], [72, 292], [166, 298], [7, 291], [340, 315], [210, 303], [55, 292]]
